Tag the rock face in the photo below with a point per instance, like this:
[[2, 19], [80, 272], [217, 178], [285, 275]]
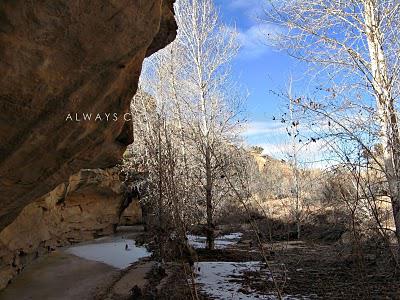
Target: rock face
[[132, 215], [86, 207], [59, 57]]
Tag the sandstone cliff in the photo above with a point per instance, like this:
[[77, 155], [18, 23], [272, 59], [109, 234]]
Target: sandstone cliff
[[59, 57], [87, 206]]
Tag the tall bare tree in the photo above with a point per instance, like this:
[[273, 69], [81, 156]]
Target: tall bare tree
[[186, 116], [293, 133], [356, 46], [208, 47]]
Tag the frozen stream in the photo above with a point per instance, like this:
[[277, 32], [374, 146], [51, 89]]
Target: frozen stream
[[114, 251], [221, 242], [76, 272]]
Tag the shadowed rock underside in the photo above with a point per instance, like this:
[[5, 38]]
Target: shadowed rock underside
[[59, 57]]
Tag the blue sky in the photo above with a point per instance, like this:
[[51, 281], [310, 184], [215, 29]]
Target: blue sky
[[262, 69]]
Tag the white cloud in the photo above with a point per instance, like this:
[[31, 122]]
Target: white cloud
[[262, 128], [253, 36], [254, 40], [277, 150], [273, 138], [308, 155], [252, 8]]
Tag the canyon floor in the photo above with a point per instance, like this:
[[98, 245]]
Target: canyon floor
[[84, 271], [60, 276], [114, 267]]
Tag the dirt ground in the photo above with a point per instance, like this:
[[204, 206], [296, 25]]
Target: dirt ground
[[323, 271], [60, 276], [305, 269], [315, 270]]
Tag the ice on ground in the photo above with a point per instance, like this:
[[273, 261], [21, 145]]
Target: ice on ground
[[113, 253], [232, 236], [221, 242], [215, 279], [221, 280]]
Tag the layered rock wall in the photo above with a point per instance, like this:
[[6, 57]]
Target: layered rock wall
[[85, 207], [132, 215]]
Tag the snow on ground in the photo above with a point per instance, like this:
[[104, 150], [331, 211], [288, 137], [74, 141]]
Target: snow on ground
[[216, 279], [222, 242], [222, 280]]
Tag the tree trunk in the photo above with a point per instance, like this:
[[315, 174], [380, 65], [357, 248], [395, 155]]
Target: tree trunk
[[160, 231], [385, 108], [210, 225], [295, 168]]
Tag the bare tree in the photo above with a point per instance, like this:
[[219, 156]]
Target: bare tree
[[192, 118], [356, 45], [208, 47], [356, 167], [293, 133]]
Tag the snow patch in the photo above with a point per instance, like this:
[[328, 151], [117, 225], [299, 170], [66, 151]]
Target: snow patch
[[221, 242], [216, 279], [221, 280]]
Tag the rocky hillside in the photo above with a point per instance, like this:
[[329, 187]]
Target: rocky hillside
[[59, 57]]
